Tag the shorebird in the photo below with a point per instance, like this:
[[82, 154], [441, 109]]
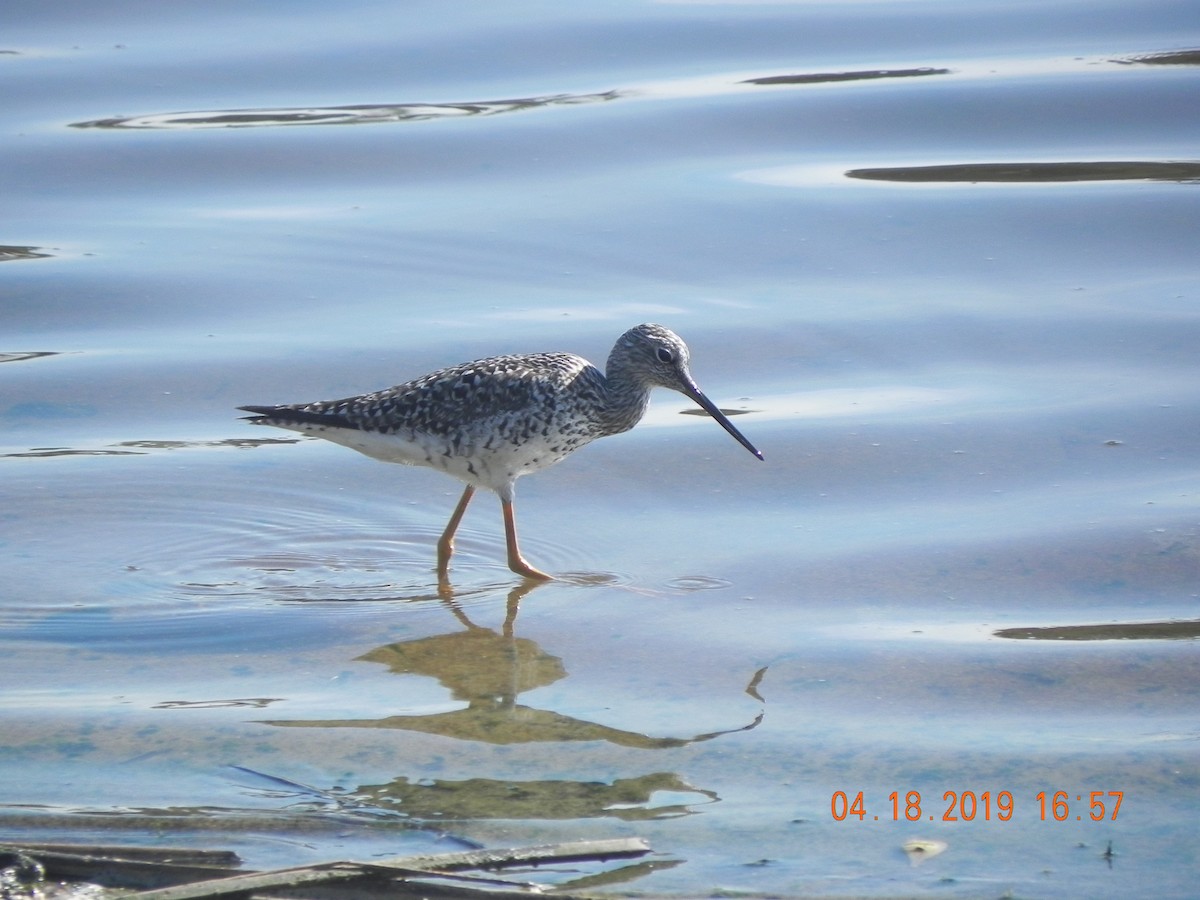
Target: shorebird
[[491, 421]]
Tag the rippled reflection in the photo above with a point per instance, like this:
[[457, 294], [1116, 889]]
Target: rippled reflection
[[140, 448], [488, 670], [658, 795], [356, 114]]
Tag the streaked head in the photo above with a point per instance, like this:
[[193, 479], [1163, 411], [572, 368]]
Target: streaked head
[[657, 357]]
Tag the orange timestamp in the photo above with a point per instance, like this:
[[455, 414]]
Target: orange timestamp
[[970, 806]]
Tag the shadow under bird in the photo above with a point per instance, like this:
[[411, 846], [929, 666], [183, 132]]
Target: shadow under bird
[[491, 421]]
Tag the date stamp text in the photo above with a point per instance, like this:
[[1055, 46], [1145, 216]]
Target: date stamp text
[[971, 806]]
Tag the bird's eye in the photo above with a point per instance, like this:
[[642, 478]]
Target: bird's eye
[[665, 355]]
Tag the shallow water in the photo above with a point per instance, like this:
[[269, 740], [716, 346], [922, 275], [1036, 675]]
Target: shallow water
[[943, 260]]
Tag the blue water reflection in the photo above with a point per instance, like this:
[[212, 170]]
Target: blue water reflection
[[944, 261]]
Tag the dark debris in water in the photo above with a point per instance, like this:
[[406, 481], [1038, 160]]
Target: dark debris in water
[[726, 412], [10, 252], [1116, 631], [182, 874], [22, 355], [1187, 171], [1169, 58], [865, 75]]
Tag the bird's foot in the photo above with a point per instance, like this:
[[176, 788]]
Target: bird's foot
[[525, 570]]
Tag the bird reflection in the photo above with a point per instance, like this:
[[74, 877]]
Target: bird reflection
[[488, 670], [658, 795]]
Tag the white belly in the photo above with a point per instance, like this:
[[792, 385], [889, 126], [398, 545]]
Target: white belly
[[493, 464]]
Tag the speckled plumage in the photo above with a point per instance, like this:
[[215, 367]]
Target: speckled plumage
[[490, 421]]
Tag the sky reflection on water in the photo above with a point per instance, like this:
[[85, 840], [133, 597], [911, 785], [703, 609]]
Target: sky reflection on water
[[942, 265]]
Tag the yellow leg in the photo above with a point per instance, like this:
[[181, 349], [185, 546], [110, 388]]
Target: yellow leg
[[445, 545], [515, 561]]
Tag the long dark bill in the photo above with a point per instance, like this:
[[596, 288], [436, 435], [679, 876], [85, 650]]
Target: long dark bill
[[711, 408]]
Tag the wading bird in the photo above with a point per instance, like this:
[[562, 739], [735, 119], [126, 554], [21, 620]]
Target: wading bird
[[491, 421]]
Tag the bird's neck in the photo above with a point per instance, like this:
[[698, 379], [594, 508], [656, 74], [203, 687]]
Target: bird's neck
[[626, 402]]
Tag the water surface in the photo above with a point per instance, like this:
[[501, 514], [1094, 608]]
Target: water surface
[[943, 262]]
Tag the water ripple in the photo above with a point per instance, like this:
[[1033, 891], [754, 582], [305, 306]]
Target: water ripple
[[302, 550], [355, 114]]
